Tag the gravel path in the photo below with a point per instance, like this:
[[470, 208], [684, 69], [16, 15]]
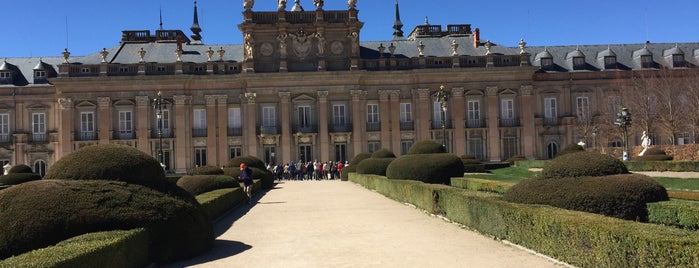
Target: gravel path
[[341, 224]]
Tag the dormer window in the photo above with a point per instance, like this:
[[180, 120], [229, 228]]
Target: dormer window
[[609, 62], [40, 74], [678, 60], [647, 61], [546, 63], [579, 63], [4, 75]]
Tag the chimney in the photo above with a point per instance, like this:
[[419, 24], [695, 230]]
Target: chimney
[[476, 37]]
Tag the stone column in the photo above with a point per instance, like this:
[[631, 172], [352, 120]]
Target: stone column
[[250, 125], [394, 120], [104, 115], [286, 146], [384, 118], [143, 123], [181, 122], [357, 128], [323, 126], [493, 124], [222, 129], [458, 110], [66, 127], [527, 117], [423, 115]]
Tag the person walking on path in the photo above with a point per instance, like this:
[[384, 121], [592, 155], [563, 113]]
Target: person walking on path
[[246, 178]]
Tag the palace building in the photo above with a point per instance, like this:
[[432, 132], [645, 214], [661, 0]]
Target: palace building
[[304, 86]]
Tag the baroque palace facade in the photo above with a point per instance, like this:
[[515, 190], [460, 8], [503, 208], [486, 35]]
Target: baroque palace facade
[[303, 86]]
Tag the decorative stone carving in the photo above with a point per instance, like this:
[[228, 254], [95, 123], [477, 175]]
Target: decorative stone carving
[[357, 94], [285, 96], [301, 43], [248, 4], [269, 140], [423, 93], [249, 45], [454, 48], [395, 94], [142, 101], [181, 99], [178, 53], [281, 38], [210, 54], [381, 50], [491, 91], [318, 4], [354, 36], [321, 44], [526, 90], [104, 54], [210, 100], [323, 95], [522, 45], [407, 135], [104, 101], [142, 54], [457, 92], [392, 49], [488, 45], [251, 97], [65, 103], [336, 47], [421, 49], [352, 4], [221, 52], [383, 94], [199, 142], [266, 49], [374, 136], [234, 141], [66, 56], [281, 5]]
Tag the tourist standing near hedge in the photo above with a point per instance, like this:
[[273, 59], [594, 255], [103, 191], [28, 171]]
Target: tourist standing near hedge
[[246, 179]]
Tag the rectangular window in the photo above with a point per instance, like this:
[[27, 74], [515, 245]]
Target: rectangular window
[[550, 112], [474, 113], [509, 147], [87, 125], [200, 157], [199, 118], [646, 61], [304, 117], [475, 148], [269, 116], [406, 112], [578, 63], [438, 115], [39, 123], [374, 146], [235, 151], [4, 74], [339, 118], [405, 146], [583, 109], [125, 125], [678, 60], [507, 110], [234, 118], [609, 62], [372, 111], [546, 63], [40, 74], [341, 152], [5, 127]]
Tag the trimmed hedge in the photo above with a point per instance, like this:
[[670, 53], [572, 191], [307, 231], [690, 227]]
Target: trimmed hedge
[[426, 147], [621, 196], [679, 166], [259, 170], [21, 168], [41, 213], [207, 170], [481, 185], [198, 184], [654, 154], [352, 167], [217, 202], [579, 238], [429, 168], [677, 213], [17, 178], [383, 153], [571, 148], [582, 164], [376, 166], [121, 248]]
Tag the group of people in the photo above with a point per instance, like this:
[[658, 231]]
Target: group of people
[[311, 170]]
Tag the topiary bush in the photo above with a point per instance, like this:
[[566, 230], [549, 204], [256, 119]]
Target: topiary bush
[[21, 168], [471, 164], [259, 170], [17, 178], [376, 166], [383, 153], [115, 162], [40, 213], [654, 154], [571, 148], [207, 170], [621, 196], [583, 164], [199, 184], [426, 147], [428, 168], [353, 165]]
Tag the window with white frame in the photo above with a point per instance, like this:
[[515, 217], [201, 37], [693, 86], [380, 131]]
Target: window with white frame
[[474, 113], [304, 117], [234, 118], [125, 124], [199, 157], [4, 127], [269, 116], [438, 115], [507, 110], [4, 74], [199, 118], [372, 111], [583, 108], [374, 146], [405, 146], [550, 112], [40, 74], [38, 123], [87, 125], [339, 117], [406, 112]]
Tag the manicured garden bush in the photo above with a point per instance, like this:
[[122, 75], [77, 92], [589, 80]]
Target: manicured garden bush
[[383, 153], [21, 168], [583, 164], [41, 213], [376, 166], [571, 148], [653, 154], [677, 213], [429, 168], [426, 147], [19, 174], [622, 196], [259, 170], [207, 170], [198, 184], [352, 167], [471, 164]]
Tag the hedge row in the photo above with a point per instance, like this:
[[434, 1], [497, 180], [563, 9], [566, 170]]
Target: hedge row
[[679, 166], [481, 185], [581, 239], [120, 248], [678, 213], [216, 203]]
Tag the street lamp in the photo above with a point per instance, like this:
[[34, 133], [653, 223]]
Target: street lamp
[[623, 120], [442, 98], [158, 105]]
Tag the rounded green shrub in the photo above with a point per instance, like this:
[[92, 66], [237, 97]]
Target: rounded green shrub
[[207, 170], [199, 184], [622, 196], [353, 165], [654, 154], [471, 164], [259, 170], [40, 213], [114, 162], [428, 168], [376, 166], [426, 147], [21, 168], [383, 153], [583, 164], [17, 178], [571, 148]]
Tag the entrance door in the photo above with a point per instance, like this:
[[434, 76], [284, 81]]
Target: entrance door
[[341, 152]]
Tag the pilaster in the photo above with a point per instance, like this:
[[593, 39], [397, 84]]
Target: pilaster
[[394, 120], [65, 131], [250, 124], [323, 126], [104, 110], [493, 124], [357, 129], [527, 117], [286, 126], [142, 123], [422, 114], [182, 155], [385, 118], [212, 126], [458, 112]]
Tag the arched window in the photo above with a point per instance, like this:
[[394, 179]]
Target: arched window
[[40, 167], [551, 150]]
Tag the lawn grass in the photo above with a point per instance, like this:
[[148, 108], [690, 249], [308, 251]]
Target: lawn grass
[[508, 174], [678, 184]]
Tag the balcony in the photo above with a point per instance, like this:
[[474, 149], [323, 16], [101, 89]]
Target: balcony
[[199, 132], [167, 133], [550, 121], [510, 122], [407, 125], [306, 129], [373, 126], [475, 123], [40, 137], [347, 127], [85, 136], [268, 130], [438, 124], [124, 135], [235, 131]]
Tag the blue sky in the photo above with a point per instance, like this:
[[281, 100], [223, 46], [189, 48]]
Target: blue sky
[[45, 27]]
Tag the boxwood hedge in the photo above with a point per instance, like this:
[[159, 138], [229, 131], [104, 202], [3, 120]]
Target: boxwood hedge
[[581, 164], [198, 184], [429, 168]]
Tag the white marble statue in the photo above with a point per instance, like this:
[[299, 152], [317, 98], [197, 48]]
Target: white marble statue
[[247, 4], [645, 143]]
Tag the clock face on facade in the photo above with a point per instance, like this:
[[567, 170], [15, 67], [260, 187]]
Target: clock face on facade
[[337, 47], [266, 49]]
